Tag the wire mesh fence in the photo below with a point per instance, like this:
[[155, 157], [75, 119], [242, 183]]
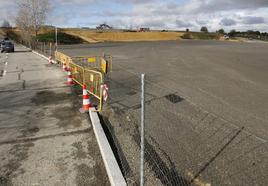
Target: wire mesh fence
[[184, 144], [47, 49]]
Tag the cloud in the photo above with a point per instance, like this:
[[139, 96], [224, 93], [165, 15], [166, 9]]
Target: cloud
[[183, 24], [253, 20], [157, 14], [227, 22]]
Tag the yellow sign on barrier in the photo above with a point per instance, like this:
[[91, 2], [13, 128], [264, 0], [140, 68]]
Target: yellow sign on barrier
[[91, 59], [103, 65]]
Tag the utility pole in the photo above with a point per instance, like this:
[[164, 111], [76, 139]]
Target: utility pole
[[56, 38]]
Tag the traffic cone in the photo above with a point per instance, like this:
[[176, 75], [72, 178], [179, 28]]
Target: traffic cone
[[64, 67], [50, 60], [70, 78], [86, 101]]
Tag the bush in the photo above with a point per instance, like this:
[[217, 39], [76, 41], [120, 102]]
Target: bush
[[206, 36], [186, 36], [63, 38], [13, 35], [129, 30]]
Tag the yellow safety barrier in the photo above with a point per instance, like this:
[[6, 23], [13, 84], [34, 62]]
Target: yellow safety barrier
[[89, 71], [99, 63], [62, 58], [78, 73], [94, 81]]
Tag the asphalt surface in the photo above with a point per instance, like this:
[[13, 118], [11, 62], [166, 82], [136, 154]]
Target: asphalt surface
[[206, 109], [44, 139], [227, 78]]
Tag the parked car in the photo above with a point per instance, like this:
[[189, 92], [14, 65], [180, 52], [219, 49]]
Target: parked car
[[7, 46]]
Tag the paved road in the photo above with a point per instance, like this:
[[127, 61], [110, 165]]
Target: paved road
[[216, 130], [44, 140]]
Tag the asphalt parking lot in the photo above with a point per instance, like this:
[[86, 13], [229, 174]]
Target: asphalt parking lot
[[216, 128], [227, 78]]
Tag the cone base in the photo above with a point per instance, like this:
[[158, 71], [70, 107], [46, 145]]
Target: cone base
[[70, 83], [84, 110]]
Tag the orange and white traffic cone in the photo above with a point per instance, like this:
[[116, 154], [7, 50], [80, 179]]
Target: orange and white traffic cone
[[86, 101], [64, 67], [50, 60], [70, 78]]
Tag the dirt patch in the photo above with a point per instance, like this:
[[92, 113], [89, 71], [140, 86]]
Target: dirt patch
[[79, 152], [18, 153], [68, 117], [99, 172], [50, 97], [29, 131], [83, 178], [5, 182]]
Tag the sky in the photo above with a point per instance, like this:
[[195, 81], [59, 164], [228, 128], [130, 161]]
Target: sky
[[157, 14]]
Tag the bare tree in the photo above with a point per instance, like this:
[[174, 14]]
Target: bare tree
[[31, 16]]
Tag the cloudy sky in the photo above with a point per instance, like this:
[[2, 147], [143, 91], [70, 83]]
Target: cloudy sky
[[158, 14]]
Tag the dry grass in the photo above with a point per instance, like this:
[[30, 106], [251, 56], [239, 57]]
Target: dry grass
[[2, 33], [92, 36]]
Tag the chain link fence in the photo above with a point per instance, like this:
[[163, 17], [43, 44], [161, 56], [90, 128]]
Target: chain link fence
[[47, 49], [184, 144]]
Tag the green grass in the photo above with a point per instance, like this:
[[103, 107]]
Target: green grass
[[63, 38], [201, 35]]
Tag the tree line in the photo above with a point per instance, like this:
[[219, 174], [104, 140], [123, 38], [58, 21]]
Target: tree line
[[250, 34]]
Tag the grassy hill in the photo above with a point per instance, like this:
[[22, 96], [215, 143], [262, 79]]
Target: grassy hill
[[93, 36], [76, 35]]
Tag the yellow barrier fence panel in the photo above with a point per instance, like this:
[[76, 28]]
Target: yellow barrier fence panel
[[98, 63], [78, 73], [103, 65], [62, 58], [94, 80]]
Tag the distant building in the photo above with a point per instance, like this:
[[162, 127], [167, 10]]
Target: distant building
[[104, 27], [144, 30]]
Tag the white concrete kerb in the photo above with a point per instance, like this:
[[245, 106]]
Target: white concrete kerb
[[112, 168], [41, 55]]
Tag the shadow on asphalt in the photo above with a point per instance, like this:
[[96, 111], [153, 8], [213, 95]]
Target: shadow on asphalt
[[22, 51]]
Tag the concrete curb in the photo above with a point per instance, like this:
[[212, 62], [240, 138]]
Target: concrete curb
[[114, 173], [37, 53], [41, 55]]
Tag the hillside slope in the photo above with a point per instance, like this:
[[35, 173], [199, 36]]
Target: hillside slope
[[93, 37]]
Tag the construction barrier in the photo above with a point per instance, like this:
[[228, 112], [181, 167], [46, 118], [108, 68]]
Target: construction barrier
[[100, 63], [78, 73], [90, 71], [62, 58]]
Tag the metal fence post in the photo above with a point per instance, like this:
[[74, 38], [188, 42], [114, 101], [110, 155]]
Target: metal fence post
[[142, 131], [56, 38]]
